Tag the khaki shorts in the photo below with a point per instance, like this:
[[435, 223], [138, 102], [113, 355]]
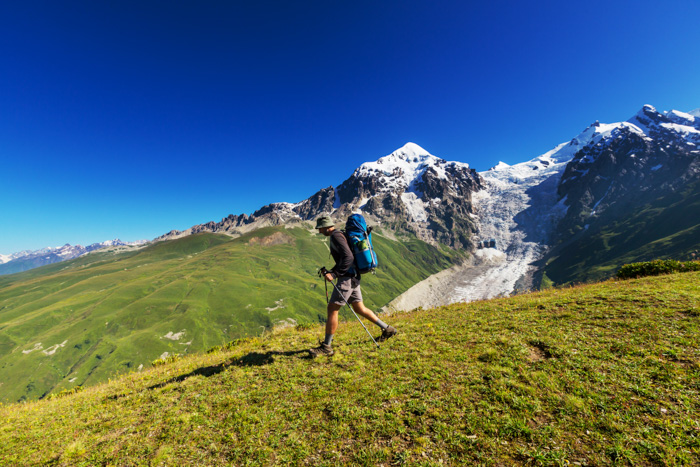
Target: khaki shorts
[[350, 288]]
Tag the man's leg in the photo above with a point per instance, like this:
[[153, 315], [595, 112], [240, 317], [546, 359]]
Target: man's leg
[[365, 312], [331, 322], [326, 348], [362, 310]]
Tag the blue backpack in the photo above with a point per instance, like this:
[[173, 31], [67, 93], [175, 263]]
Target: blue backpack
[[360, 241]]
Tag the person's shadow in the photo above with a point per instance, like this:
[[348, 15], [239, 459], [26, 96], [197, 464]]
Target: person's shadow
[[259, 359], [251, 359]]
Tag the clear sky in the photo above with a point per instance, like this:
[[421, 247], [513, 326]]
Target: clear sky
[[126, 119]]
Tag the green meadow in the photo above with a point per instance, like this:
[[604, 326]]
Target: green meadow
[[83, 321], [603, 374]]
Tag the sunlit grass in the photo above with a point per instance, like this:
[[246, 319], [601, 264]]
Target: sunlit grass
[[597, 375]]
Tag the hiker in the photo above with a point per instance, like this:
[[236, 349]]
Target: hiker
[[349, 285]]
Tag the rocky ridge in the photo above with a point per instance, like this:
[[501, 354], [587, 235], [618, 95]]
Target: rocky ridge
[[409, 190]]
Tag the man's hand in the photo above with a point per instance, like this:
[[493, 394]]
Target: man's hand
[[329, 277]]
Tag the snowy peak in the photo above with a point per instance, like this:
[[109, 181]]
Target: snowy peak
[[550, 162], [648, 128], [5, 258], [402, 170], [407, 152], [682, 118], [647, 117], [650, 121], [410, 187]]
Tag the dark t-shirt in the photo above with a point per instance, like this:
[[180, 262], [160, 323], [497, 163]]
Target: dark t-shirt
[[342, 254]]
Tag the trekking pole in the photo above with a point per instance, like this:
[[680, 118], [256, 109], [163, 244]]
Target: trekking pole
[[349, 306]]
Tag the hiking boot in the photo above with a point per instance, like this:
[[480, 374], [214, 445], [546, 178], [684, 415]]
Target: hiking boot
[[323, 349], [390, 331]]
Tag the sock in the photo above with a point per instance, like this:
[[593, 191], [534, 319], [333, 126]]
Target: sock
[[381, 324], [329, 339]]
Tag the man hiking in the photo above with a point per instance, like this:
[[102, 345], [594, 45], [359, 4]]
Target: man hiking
[[348, 284]]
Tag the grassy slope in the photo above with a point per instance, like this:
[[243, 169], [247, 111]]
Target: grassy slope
[[667, 228], [595, 375], [104, 314]]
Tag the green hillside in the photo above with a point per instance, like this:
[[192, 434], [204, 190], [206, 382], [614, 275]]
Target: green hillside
[[665, 228], [83, 321], [607, 374]]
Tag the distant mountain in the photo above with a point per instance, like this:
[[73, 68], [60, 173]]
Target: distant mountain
[[26, 260]]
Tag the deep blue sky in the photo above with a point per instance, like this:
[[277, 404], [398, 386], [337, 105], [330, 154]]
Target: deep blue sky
[[131, 118]]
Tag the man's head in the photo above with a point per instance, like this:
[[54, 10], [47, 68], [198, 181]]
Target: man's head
[[325, 225]]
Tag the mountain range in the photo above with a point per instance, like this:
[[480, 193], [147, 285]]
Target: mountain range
[[546, 213], [408, 190], [26, 260]]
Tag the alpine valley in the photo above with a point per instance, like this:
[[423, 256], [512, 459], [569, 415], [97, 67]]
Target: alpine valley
[[614, 194]]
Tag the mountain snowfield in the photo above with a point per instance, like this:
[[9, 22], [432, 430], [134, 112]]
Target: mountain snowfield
[[519, 208], [5, 258]]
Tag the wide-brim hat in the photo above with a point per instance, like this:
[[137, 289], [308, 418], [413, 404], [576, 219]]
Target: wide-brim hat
[[324, 221]]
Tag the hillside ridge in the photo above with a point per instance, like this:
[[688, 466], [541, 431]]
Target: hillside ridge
[[82, 321]]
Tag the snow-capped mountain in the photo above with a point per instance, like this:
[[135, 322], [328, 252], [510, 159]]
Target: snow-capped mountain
[[556, 211], [6, 258], [631, 195], [630, 162], [25, 260], [408, 189]]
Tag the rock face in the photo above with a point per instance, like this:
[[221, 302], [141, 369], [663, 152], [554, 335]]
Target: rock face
[[409, 190]]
